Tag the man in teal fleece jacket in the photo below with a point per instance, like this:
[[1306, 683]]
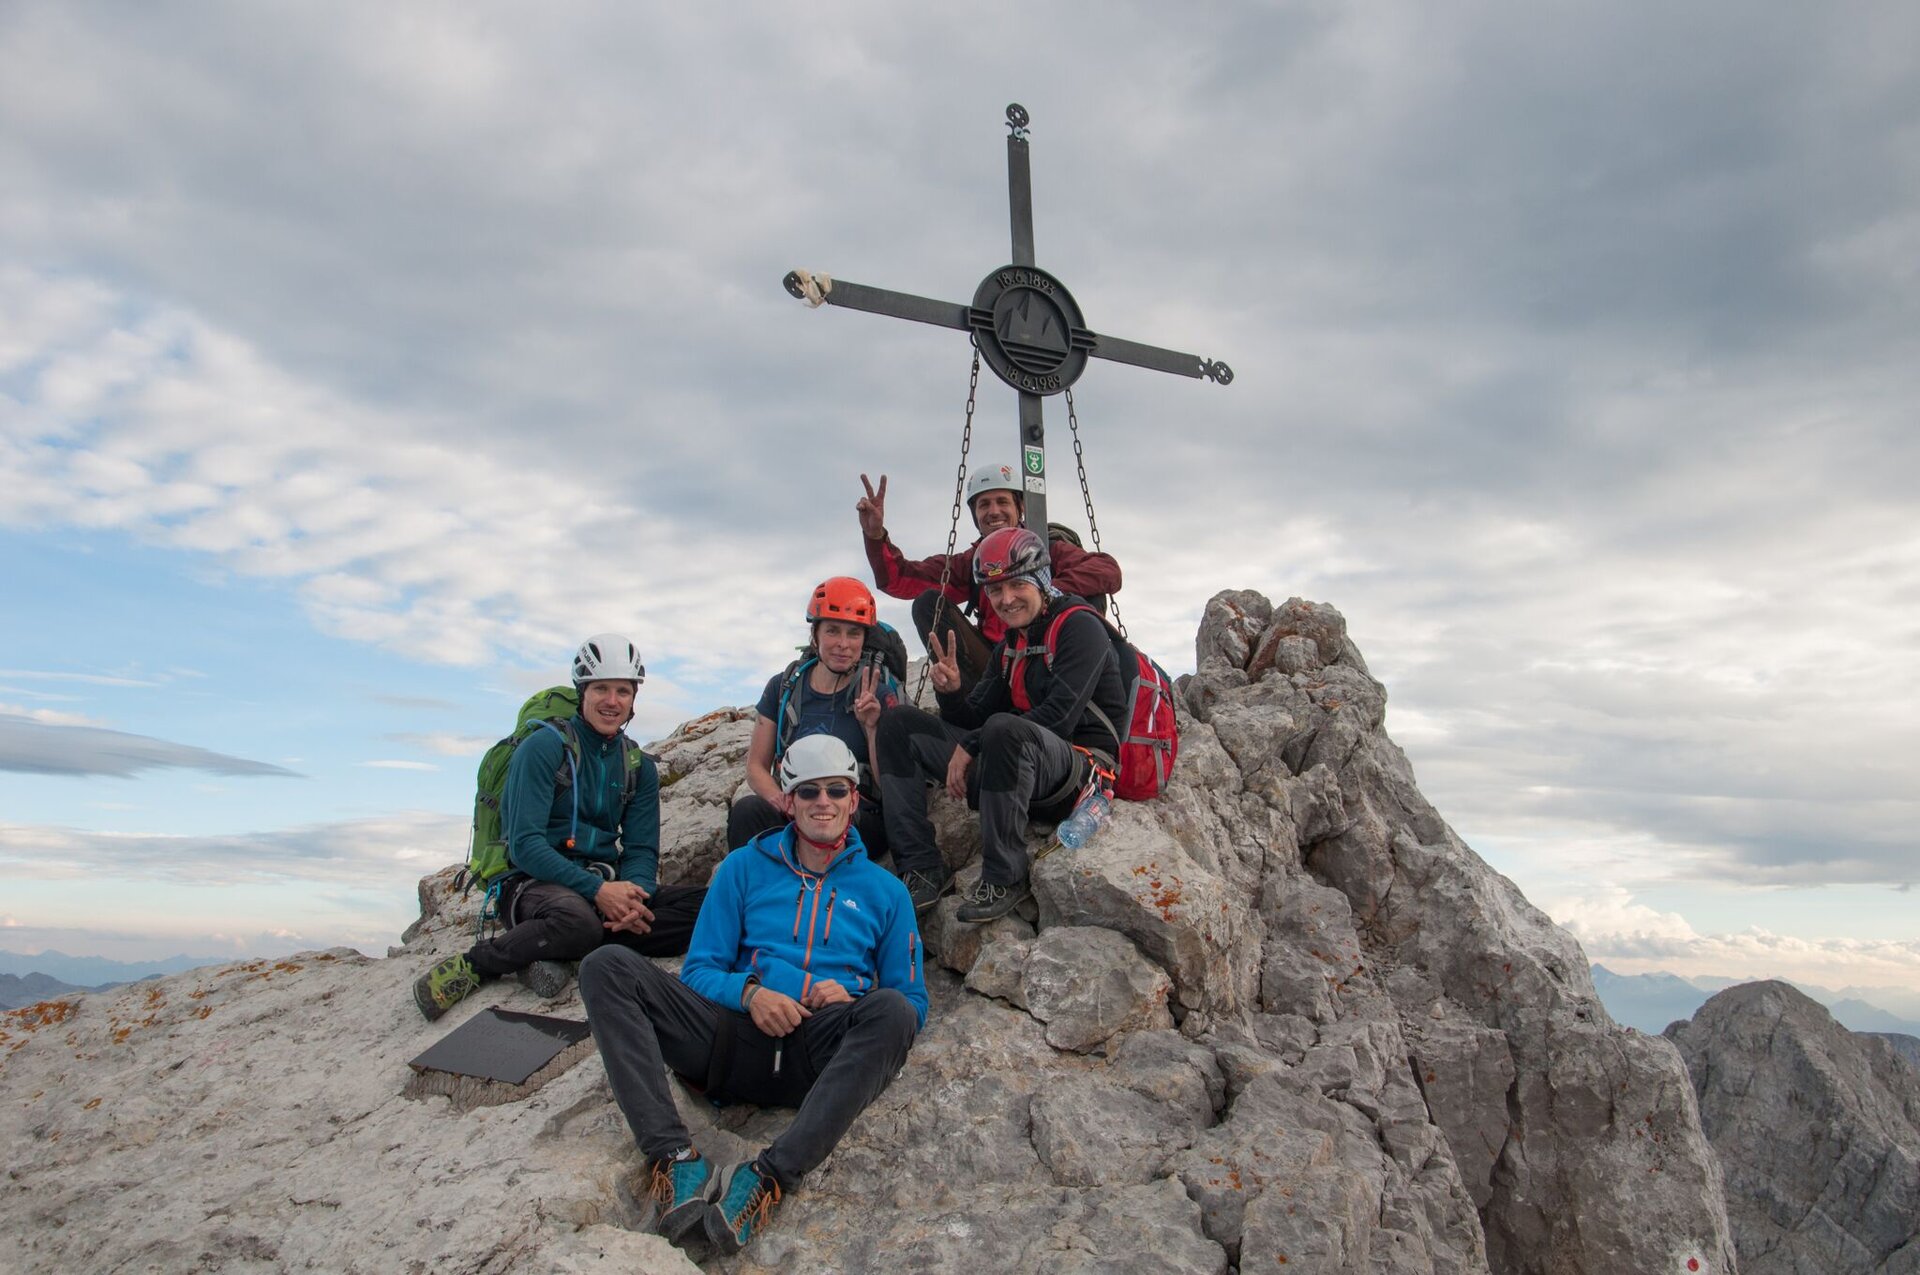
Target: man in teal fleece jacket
[[581, 814], [802, 988]]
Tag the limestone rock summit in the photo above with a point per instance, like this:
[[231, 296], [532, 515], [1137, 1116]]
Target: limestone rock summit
[[1819, 1128], [1281, 1018]]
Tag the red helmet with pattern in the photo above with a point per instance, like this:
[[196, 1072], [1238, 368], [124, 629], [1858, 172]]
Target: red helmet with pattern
[[1012, 553]]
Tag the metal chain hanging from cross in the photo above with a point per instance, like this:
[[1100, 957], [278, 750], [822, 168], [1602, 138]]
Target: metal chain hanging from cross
[[1025, 323]]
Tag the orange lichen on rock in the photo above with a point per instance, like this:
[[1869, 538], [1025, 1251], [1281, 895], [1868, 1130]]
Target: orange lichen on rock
[[39, 1014]]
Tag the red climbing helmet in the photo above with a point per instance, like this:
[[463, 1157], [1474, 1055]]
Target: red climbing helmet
[[1011, 553], [841, 598]]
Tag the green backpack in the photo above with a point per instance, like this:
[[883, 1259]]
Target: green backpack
[[487, 848], [553, 709]]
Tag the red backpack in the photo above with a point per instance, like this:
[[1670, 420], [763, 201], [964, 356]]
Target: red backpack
[[1152, 738]]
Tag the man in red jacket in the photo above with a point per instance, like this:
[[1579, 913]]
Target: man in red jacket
[[996, 500]]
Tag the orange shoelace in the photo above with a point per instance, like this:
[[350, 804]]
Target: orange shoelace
[[759, 1204]]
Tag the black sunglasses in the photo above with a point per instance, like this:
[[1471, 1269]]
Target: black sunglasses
[[811, 792]]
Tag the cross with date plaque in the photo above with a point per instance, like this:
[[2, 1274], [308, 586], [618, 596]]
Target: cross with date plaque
[[1027, 326]]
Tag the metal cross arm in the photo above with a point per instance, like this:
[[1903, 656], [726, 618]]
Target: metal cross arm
[[948, 314], [1024, 322]]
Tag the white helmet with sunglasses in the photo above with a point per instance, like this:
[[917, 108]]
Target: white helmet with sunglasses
[[817, 757]]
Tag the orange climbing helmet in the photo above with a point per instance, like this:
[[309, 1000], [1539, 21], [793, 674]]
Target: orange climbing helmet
[[842, 598]]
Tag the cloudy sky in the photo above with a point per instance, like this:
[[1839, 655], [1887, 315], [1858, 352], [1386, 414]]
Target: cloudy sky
[[356, 360]]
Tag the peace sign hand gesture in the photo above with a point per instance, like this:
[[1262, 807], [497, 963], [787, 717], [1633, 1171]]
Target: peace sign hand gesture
[[866, 699], [944, 672], [872, 509]]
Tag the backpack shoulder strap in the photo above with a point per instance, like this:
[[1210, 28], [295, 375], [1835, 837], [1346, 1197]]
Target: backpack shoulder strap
[[569, 743], [1053, 634], [789, 714], [1053, 629], [563, 778]]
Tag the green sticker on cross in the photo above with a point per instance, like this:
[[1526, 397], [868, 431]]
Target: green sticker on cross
[[1036, 460]]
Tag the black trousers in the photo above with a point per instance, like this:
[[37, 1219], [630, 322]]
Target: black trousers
[[553, 923], [646, 1020], [1022, 769]]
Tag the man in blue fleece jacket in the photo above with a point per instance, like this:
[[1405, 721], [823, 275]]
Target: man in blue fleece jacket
[[802, 988], [581, 813]]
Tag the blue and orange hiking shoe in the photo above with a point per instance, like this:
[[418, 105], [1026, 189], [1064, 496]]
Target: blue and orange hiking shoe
[[743, 1201], [680, 1191], [445, 985]]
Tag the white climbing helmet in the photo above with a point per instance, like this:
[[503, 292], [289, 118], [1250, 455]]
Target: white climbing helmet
[[993, 478], [607, 657], [817, 757]]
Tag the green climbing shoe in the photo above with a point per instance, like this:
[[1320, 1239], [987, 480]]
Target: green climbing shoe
[[445, 985]]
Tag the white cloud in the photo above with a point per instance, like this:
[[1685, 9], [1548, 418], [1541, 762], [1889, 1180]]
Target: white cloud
[[383, 854], [444, 744], [46, 716], [1630, 938], [389, 764], [188, 439], [91, 679]]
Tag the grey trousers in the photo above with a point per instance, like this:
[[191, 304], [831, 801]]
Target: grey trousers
[[646, 1020]]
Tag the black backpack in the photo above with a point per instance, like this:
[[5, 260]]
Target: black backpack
[[885, 649], [1061, 531]]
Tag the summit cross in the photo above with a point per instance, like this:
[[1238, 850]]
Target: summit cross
[[1027, 326]]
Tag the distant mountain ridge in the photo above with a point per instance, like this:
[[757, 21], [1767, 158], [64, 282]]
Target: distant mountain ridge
[[1649, 1002], [16, 990], [89, 972]]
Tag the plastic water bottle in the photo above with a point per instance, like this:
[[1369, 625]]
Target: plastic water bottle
[[1087, 818]]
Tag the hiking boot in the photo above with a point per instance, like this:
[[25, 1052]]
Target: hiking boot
[[680, 1191], [743, 1201], [547, 978], [925, 889], [445, 985], [991, 902]]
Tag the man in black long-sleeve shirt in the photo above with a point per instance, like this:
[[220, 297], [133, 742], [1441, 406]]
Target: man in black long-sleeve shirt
[[1019, 742]]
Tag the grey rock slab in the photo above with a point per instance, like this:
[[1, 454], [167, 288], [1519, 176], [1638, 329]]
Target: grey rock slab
[[1818, 1128], [1090, 1130], [1465, 1072], [1000, 969], [1133, 880], [702, 765], [1230, 629], [251, 1114], [1087, 984], [958, 946], [1148, 1230], [1173, 1071]]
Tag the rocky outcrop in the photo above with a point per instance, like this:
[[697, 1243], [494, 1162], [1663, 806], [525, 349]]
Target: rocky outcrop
[[1280, 1018], [1819, 1128]]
